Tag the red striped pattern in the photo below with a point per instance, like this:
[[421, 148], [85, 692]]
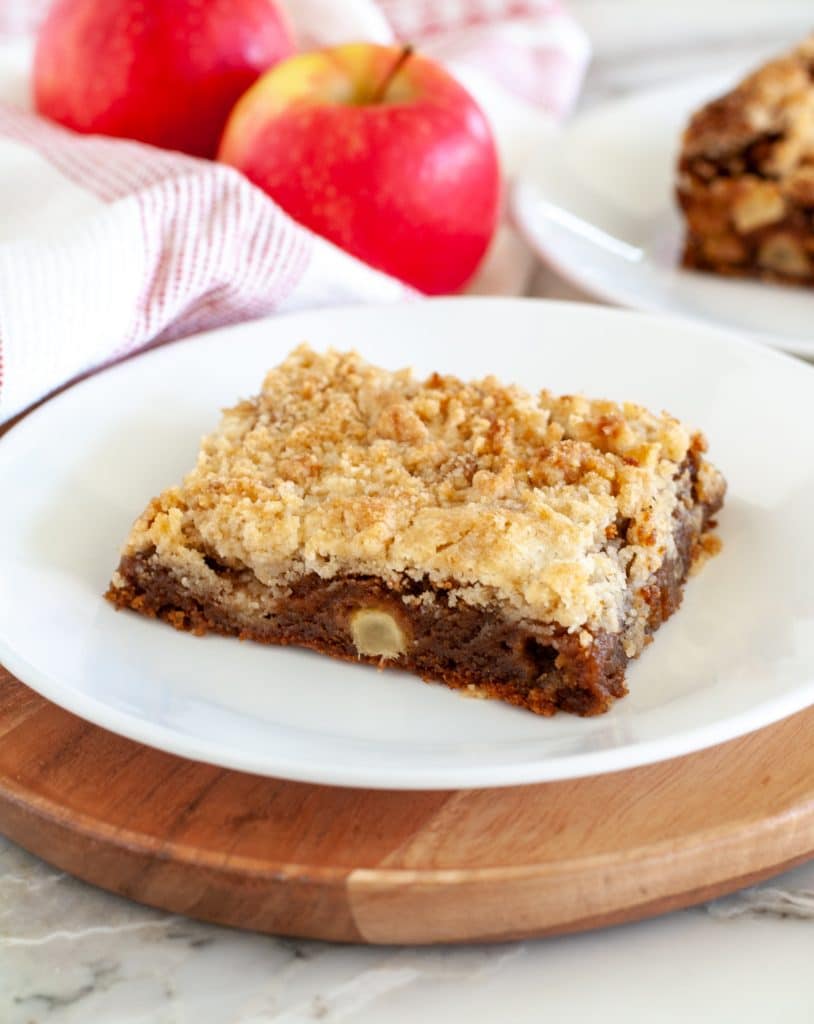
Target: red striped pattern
[[216, 249], [219, 251], [420, 19], [110, 168]]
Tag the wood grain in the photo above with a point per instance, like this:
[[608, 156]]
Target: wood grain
[[401, 867]]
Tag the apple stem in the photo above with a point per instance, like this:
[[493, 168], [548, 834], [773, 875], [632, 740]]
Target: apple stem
[[381, 89]]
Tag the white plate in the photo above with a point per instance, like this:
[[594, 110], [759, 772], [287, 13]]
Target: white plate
[[597, 204], [75, 473]]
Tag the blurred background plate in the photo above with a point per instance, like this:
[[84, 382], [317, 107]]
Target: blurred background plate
[[597, 204]]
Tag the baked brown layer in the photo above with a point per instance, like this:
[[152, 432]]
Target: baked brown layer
[[534, 665], [781, 250]]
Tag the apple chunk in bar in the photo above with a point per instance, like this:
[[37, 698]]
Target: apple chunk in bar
[[512, 545]]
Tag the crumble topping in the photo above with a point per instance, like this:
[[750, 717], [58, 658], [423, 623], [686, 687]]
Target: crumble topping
[[554, 507], [774, 104]]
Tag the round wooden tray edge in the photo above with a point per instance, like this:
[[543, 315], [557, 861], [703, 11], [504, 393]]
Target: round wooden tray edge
[[69, 792], [353, 927], [763, 829]]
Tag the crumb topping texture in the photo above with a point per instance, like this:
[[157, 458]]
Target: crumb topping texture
[[552, 507], [773, 105]]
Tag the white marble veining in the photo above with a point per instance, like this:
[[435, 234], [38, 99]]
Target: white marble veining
[[71, 954]]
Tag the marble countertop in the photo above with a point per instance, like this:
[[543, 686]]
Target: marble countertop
[[72, 954]]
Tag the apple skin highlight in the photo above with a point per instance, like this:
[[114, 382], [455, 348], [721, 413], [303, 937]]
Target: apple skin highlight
[[406, 178], [167, 72]]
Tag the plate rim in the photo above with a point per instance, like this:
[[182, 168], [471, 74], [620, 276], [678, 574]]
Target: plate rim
[[524, 193], [621, 758]]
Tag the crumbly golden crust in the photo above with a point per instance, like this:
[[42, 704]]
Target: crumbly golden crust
[[552, 507], [746, 174], [774, 103]]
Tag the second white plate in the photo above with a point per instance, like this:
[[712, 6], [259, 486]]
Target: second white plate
[[597, 204]]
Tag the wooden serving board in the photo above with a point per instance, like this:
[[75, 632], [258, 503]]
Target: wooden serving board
[[401, 867]]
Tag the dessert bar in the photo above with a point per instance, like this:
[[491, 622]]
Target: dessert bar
[[513, 545], [746, 175]]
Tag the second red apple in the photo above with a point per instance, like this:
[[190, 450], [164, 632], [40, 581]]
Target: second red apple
[[166, 72], [379, 150]]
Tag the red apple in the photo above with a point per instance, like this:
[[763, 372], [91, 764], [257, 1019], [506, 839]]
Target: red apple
[[379, 150], [162, 71]]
